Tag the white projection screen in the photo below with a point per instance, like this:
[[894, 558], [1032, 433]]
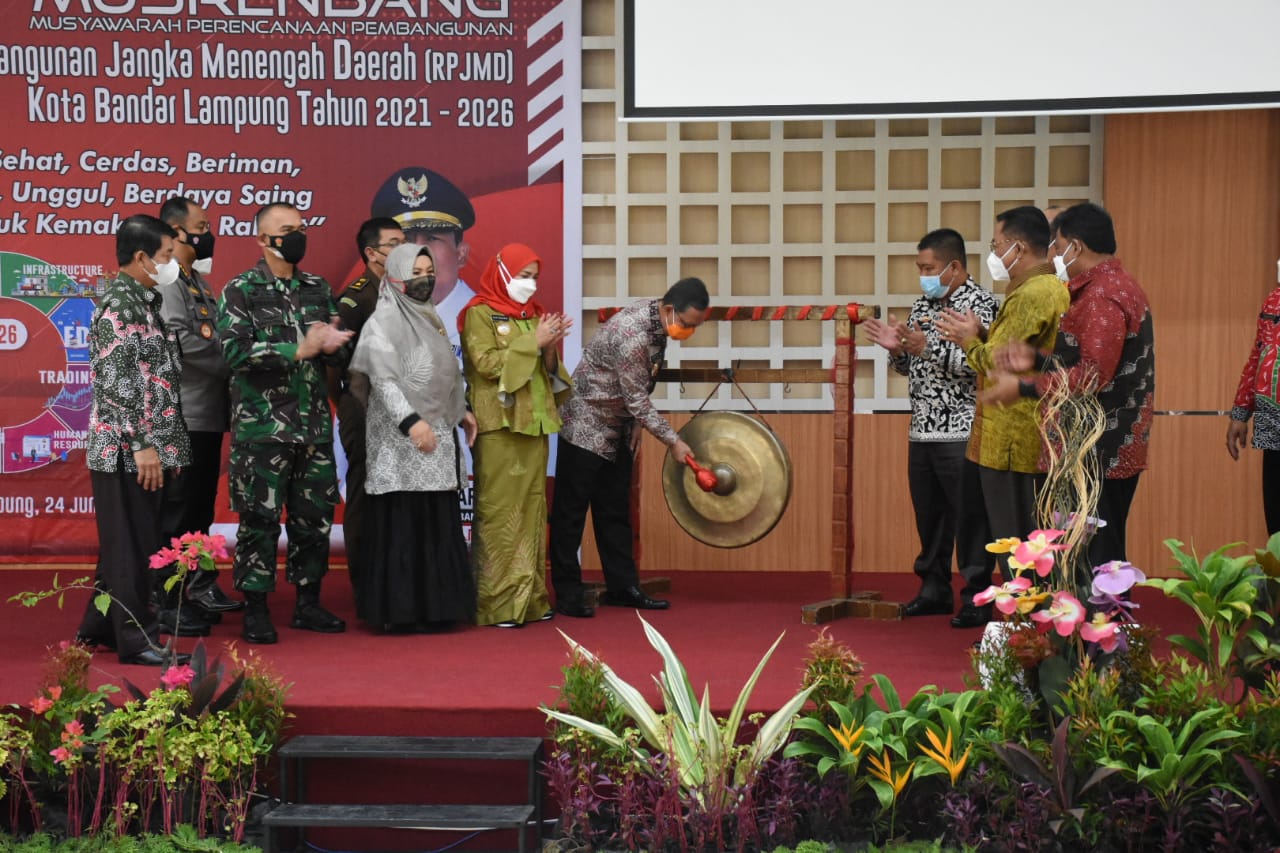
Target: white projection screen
[[708, 59]]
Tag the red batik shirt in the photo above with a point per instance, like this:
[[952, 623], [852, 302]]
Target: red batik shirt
[[1106, 340], [1256, 394]]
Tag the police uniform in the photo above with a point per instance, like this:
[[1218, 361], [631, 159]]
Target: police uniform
[[355, 306], [282, 438]]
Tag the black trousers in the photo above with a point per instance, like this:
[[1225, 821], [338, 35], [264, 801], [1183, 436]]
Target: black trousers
[[587, 481], [1271, 489], [129, 532], [1010, 499], [1114, 500], [946, 493], [190, 499]]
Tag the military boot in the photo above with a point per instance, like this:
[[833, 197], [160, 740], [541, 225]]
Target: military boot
[[257, 619], [310, 616]]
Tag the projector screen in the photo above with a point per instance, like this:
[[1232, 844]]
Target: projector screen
[[709, 59]]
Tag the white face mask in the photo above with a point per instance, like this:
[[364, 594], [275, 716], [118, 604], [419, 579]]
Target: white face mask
[[995, 265], [204, 266], [519, 289], [1060, 264], [166, 273], [522, 289]]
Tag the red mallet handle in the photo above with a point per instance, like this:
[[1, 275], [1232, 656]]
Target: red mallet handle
[[706, 479]]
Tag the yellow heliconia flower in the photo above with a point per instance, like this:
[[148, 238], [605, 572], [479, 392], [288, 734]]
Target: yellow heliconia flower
[[882, 769], [1004, 546], [941, 753], [847, 738]]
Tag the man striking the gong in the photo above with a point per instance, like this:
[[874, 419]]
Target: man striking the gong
[[598, 440]]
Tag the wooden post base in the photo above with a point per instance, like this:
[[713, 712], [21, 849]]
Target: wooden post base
[[859, 605]]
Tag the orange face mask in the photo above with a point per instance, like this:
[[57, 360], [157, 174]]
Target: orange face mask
[[675, 331]]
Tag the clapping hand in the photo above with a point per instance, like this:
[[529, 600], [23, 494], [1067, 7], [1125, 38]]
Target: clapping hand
[[958, 328], [1015, 357], [552, 328], [323, 338]]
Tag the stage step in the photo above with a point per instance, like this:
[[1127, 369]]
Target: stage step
[[400, 816], [295, 812]]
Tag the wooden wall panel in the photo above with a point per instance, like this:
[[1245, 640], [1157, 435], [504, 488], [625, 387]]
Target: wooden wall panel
[[1192, 492], [1196, 201]]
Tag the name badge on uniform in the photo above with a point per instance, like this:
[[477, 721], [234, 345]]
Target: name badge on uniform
[[206, 330]]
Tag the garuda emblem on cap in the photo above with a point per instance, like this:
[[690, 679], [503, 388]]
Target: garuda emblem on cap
[[413, 191]]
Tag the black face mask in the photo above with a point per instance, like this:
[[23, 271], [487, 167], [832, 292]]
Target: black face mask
[[203, 244], [292, 246], [420, 287]]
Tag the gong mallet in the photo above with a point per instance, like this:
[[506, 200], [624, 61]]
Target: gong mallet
[[706, 479]]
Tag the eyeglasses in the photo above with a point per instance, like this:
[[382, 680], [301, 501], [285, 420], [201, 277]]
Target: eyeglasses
[[391, 243]]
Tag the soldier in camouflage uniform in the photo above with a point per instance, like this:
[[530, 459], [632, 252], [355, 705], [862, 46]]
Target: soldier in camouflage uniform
[[278, 327]]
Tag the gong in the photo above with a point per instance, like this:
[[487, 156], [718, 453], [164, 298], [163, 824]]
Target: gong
[[752, 480]]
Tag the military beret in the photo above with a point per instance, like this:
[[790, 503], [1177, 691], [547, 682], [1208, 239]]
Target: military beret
[[417, 197]]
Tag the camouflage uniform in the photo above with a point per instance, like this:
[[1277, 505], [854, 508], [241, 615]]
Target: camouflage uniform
[[282, 439]]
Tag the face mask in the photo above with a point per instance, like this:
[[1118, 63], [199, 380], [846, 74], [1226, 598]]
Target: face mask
[[519, 289], [166, 273], [675, 331], [419, 288], [203, 244], [1060, 264], [290, 248], [995, 265], [932, 286], [204, 266]]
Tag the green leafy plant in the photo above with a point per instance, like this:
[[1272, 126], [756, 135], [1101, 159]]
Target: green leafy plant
[[1222, 591], [703, 750]]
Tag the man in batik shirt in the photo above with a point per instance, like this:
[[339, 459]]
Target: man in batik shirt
[[137, 439], [945, 490], [1256, 398], [601, 431]]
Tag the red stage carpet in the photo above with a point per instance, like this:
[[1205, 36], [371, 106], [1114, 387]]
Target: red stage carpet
[[490, 681], [476, 681]]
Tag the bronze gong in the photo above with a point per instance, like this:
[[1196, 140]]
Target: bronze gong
[[753, 480]]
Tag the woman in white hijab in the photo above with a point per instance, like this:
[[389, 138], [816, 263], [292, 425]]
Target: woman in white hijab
[[418, 575]]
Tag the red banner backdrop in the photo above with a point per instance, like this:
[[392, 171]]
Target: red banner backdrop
[[112, 106]]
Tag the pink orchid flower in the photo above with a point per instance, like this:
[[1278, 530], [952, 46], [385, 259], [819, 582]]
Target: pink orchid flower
[[1005, 596], [1065, 612], [61, 755], [55, 692], [1037, 551], [40, 704], [1102, 631], [74, 727], [177, 676], [1116, 577]]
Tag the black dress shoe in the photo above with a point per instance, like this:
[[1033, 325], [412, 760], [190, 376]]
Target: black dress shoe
[[633, 596], [213, 599], [926, 607], [971, 617], [184, 623], [575, 607], [151, 657]]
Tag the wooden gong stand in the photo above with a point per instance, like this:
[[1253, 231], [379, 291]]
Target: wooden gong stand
[[844, 600]]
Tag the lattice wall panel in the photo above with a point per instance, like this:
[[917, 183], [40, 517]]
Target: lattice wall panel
[[796, 212]]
